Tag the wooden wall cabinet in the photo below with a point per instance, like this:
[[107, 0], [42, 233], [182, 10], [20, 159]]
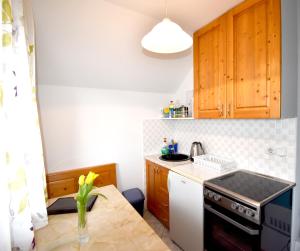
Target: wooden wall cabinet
[[157, 192], [210, 70], [66, 182], [237, 63], [254, 60]]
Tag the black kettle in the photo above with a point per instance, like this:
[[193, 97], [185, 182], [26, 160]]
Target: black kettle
[[196, 150]]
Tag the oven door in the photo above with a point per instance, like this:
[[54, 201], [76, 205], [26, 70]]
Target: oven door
[[223, 230]]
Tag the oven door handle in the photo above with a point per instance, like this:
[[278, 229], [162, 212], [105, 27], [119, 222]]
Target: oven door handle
[[233, 222]]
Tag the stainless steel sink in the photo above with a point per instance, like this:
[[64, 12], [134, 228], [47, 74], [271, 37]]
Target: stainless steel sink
[[176, 157]]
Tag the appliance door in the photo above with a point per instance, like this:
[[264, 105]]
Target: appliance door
[[186, 212], [226, 231]]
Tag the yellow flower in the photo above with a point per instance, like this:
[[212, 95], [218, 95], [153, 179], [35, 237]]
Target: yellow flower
[[90, 178], [81, 180]]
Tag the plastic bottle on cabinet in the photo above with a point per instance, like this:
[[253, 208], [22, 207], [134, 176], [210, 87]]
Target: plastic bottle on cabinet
[[171, 109], [165, 147]]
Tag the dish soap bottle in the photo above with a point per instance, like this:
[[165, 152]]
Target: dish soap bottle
[[165, 148], [173, 147]]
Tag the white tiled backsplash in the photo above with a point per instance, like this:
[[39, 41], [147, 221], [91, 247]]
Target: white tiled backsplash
[[245, 141]]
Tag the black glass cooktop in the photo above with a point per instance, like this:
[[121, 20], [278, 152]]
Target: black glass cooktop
[[249, 185]]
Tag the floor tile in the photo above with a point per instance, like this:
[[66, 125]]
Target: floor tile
[[161, 231]]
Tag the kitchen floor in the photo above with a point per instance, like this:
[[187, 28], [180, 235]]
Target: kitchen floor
[[160, 230]]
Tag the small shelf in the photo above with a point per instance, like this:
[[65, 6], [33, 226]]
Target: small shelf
[[188, 118], [159, 118]]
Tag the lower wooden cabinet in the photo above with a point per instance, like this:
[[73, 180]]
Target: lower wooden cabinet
[[157, 192]]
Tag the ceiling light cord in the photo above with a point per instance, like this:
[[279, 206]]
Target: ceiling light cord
[[166, 9]]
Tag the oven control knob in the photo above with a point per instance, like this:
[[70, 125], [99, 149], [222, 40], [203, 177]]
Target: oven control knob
[[250, 213], [234, 205], [241, 209], [217, 197], [211, 194], [205, 192]]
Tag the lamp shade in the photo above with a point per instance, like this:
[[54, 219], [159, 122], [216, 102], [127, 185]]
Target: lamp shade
[[167, 37]]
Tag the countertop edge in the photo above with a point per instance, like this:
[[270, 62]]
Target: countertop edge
[[184, 168]]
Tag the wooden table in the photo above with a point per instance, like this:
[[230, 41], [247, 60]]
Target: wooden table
[[113, 224]]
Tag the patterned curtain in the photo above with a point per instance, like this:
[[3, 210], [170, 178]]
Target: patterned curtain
[[22, 179]]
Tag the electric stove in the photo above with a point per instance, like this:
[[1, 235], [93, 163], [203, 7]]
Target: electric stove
[[244, 210], [253, 188]]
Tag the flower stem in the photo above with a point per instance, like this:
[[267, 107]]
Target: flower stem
[[81, 207]]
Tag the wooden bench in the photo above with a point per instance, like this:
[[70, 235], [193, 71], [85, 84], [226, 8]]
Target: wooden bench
[[66, 182]]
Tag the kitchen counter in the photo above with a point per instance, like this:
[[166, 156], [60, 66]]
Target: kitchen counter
[[113, 224], [188, 169], [197, 173]]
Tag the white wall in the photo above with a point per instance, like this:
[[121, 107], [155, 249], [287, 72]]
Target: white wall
[[184, 95], [84, 126], [186, 86]]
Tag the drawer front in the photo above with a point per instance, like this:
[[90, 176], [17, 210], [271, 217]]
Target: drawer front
[[61, 187], [104, 179]]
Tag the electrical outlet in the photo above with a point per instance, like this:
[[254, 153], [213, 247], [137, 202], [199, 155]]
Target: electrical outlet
[[280, 151], [270, 151]]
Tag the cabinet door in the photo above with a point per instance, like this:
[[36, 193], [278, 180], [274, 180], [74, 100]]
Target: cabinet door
[[210, 70], [151, 187], [163, 195], [254, 60]]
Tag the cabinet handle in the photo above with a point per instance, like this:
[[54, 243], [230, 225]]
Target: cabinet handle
[[165, 204], [164, 219]]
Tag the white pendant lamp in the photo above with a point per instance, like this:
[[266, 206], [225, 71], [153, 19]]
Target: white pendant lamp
[[167, 37]]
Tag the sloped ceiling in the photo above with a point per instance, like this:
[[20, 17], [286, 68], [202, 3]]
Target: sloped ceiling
[[190, 14], [96, 43]]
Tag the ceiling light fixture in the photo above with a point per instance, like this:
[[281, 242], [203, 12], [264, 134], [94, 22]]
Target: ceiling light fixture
[[167, 37]]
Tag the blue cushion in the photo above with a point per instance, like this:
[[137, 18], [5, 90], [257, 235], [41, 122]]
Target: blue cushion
[[134, 195], [136, 198]]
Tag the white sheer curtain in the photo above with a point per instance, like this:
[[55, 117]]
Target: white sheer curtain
[[22, 179]]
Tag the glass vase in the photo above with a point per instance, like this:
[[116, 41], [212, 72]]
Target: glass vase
[[83, 235]]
